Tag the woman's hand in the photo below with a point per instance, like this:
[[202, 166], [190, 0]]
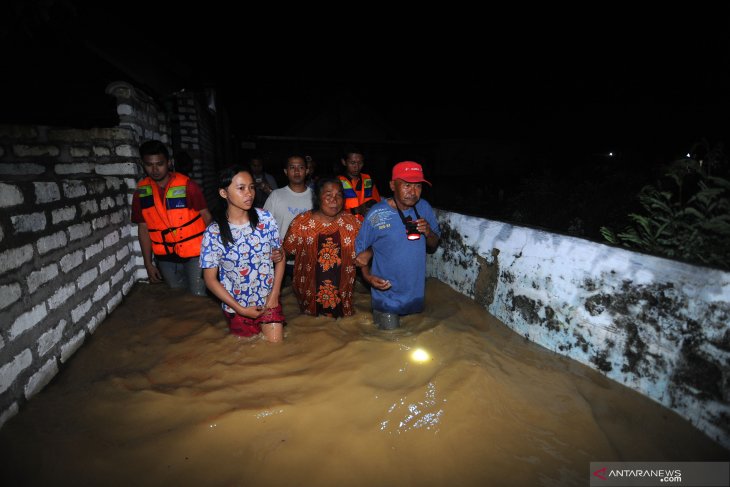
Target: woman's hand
[[272, 301], [210, 276], [277, 255], [252, 312]]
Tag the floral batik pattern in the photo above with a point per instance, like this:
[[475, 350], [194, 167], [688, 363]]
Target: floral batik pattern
[[324, 267], [328, 275], [329, 254], [328, 296]]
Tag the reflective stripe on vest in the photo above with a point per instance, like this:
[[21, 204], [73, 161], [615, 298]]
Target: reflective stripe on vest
[[175, 197], [173, 227], [352, 199], [367, 187]]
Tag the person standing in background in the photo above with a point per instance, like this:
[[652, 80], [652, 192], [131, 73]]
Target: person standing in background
[[265, 182], [312, 177], [359, 188], [291, 200]]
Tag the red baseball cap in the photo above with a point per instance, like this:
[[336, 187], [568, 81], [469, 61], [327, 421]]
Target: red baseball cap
[[410, 172]]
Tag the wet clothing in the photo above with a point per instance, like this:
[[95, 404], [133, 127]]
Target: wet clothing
[[386, 321], [183, 275], [362, 191], [245, 268], [395, 258], [172, 215], [324, 267], [246, 327]]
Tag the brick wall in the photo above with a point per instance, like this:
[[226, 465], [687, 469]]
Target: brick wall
[[139, 113], [68, 252], [67, 249], [194, 131]]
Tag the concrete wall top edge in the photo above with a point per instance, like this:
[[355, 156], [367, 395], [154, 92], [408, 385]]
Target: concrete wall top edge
[[551, 252]]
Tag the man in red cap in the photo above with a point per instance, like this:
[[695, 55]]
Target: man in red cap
[[399, 230]]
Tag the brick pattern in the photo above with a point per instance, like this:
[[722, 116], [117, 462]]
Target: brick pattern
[[68, 252], [139, 113], [194, 131]]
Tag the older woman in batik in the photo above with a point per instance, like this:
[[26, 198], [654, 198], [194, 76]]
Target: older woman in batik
[[322, 242]]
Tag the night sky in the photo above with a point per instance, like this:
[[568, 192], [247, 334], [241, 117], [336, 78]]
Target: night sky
[[592, 81]]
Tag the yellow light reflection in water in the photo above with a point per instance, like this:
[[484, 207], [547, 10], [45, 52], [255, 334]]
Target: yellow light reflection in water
[[420, 355]]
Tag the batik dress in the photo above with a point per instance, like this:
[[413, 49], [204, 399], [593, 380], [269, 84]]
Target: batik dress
[[324, 263]]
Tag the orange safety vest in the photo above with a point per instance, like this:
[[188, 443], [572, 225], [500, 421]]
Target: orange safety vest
[[351, 196], [173, 227]]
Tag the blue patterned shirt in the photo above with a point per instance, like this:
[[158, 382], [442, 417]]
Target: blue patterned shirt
[[245, 268]]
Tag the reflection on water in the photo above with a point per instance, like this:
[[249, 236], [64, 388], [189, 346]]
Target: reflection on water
[[163, 395]]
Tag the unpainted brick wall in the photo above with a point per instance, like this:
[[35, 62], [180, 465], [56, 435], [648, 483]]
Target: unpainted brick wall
[[67, 248], [68, 252]]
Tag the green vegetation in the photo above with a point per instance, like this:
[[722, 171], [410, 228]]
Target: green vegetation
[[686, 215]]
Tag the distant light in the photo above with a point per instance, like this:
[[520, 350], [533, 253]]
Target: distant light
[[610, 154], [688, 156], [420, 355]]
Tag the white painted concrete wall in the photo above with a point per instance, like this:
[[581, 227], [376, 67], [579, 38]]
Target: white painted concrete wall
[[658, 326]]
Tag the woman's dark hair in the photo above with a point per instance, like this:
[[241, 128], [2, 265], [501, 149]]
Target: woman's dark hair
[[318, 190], [220, 213]]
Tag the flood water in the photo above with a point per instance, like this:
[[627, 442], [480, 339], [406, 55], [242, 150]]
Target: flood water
[[162, 395]]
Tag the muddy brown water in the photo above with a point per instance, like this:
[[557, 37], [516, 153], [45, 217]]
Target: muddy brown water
[[162, 395]]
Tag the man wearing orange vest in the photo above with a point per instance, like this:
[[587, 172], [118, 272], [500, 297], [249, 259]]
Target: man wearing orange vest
[[171, 216], [358, 188]]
